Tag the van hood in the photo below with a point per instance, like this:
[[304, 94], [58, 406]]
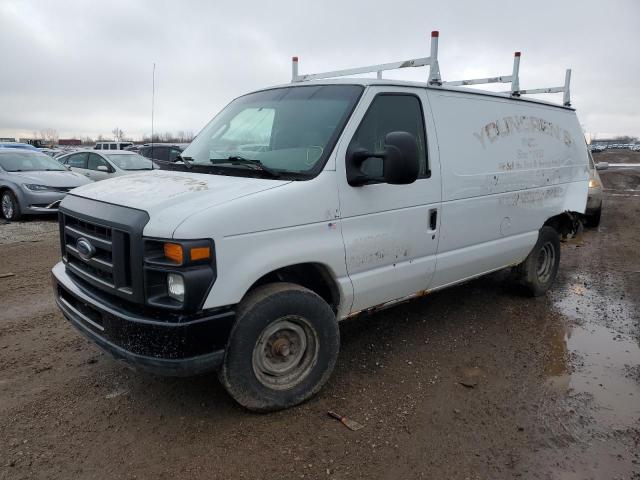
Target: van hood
[[170, 197]]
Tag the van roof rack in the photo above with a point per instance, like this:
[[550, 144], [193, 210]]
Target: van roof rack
[[434, 74]]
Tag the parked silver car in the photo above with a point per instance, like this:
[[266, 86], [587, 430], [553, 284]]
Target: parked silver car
[[32, 182], [594, 199], [98, 165]]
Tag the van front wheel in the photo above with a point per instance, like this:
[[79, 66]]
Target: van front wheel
[[540, 268], [282, 347]]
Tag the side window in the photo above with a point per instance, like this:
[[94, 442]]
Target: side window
[[95, 161], [390, 113], [113, 146], [78, 160], [98, 146], [144, 152], [159, 153], [173, 154]]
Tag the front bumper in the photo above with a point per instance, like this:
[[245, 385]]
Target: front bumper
[[41, 202], [191, 345]]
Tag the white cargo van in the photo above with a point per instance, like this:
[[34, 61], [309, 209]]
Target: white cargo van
[[301, 205], [112, 145]]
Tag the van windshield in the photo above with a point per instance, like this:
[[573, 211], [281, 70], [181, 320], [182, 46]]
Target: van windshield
[[287, 132]]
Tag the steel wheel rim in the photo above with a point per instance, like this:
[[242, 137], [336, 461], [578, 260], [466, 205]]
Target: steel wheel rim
[[546, 262], [7, 206], [285, 352]]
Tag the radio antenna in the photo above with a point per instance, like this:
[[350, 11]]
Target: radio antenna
[[153, 97]]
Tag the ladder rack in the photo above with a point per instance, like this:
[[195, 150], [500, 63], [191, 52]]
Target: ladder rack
[[434, 78]]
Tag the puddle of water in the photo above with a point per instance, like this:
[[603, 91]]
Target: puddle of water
[[599, 338], [605, 374]]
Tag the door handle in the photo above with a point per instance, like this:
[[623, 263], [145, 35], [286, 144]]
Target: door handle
[[433, 219]]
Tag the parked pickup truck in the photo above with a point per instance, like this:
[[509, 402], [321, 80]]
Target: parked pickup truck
[[305, 204]]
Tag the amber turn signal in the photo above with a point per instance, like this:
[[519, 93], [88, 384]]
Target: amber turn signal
[[200, 253], [173, 251]]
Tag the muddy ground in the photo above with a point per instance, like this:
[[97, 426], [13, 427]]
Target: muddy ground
[[553, 383]]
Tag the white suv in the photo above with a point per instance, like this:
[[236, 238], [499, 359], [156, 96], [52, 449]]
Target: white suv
[[112, 145]]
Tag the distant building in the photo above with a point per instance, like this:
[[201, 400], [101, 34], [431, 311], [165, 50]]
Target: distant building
[[37, 142], [69, 142]]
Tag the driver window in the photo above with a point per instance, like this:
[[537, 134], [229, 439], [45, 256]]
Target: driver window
[[390, 113], [174, 153], [95, 161], [78, 160]]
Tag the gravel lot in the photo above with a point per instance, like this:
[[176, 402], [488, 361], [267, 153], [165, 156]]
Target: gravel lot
[[553, 383]]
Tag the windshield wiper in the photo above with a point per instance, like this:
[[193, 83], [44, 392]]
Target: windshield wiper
[[186, 160], [238, 160]]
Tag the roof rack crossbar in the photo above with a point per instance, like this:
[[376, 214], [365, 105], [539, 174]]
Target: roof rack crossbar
[[565, 89], [512, 79], [478, 81], [434, 74], [415, 62], [431, 61]]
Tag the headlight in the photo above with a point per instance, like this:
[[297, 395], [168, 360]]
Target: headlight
[[36, 188], [175, 286], [593, 183], [178, 274]]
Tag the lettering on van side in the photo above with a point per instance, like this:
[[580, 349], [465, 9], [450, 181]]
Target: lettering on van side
[[521, 124], [533, 197]]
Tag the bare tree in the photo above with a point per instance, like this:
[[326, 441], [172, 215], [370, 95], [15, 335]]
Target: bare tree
[[49, 135], [118, 134]]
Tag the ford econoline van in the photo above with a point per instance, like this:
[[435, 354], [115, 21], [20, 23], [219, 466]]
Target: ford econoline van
[[302, 205]]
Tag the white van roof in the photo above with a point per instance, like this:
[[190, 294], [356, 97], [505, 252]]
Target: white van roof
[[365, 82]]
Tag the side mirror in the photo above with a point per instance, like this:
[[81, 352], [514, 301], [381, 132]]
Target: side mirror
[[102, 168], [602, 165], [400, 161]]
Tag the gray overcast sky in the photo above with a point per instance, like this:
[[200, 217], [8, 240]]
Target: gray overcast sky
[[84, 67]]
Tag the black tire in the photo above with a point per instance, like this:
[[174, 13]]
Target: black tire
[[540, 268], [272, 323], [11, 209], [592, 220]]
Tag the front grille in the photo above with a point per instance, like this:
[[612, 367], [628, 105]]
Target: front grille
[[61, 189], [109, 268]]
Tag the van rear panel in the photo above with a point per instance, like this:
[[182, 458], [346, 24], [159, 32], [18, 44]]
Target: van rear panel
[[507, 166]]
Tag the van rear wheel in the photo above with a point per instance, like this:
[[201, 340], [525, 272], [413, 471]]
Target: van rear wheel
[[282, 347], [540, 268], [592, 220]]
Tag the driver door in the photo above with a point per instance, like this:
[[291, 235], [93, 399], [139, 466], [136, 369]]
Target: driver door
[[390, 232], [78, 163], [93, 167]]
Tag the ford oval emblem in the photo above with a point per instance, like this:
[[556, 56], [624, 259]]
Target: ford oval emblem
[[85, 249]]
